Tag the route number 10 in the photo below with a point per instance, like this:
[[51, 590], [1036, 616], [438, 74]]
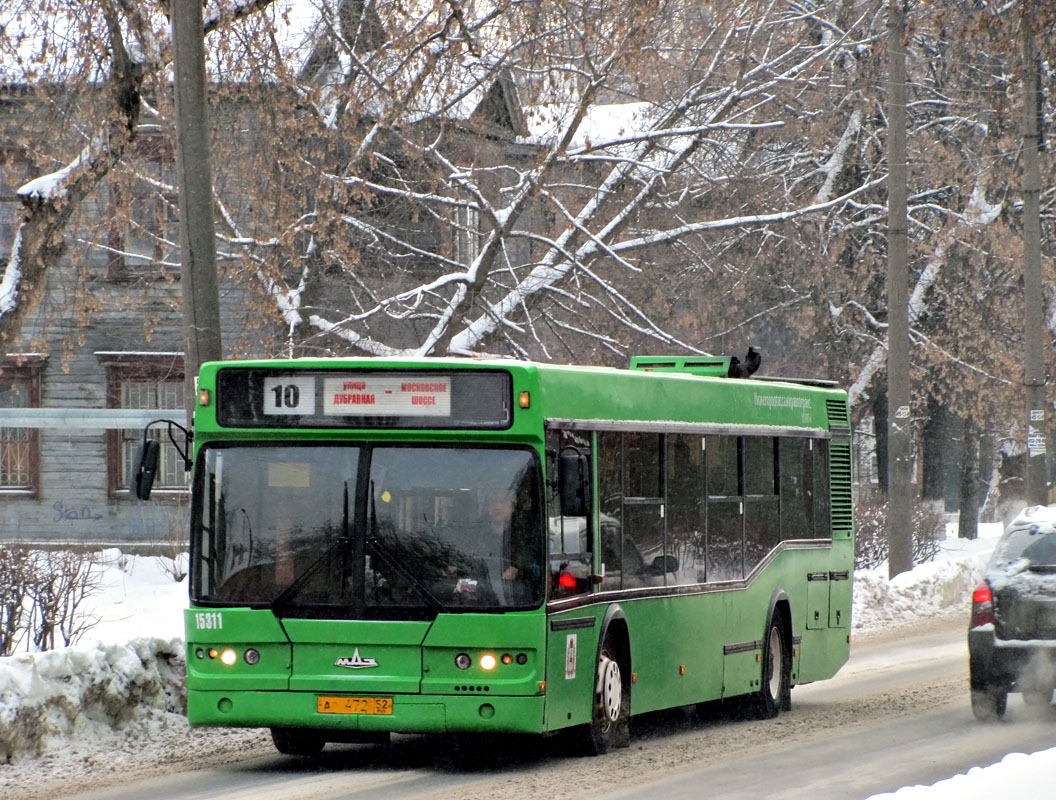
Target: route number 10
[[289, 395]]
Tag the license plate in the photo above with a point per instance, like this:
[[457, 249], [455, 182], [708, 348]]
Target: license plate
[[354, 705]]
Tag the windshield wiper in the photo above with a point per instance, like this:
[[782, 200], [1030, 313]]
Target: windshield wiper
[[386, 555], [291, 591], [342, 542]]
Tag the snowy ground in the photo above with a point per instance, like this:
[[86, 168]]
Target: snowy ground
[[119, 693]]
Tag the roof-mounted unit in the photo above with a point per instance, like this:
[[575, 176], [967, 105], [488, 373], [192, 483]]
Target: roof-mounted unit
[[718, 366]]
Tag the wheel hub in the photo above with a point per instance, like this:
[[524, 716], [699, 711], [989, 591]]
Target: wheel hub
[[776, 663], [610, 687]]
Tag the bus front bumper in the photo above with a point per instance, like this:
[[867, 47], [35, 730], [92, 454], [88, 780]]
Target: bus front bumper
[[410, 713]]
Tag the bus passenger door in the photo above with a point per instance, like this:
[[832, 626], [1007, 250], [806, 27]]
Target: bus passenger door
[[569, 513], [571, 631]]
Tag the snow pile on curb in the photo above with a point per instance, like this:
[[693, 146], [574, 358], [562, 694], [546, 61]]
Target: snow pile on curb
[[107, 693], [929, 590], [1016, 775]]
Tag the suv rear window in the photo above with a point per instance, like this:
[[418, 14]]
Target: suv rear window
[[1037, 544]]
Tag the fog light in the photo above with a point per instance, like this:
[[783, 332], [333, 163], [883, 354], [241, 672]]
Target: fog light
[[463, 661], [252, 656]]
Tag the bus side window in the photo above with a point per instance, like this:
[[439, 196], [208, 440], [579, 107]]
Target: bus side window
[[796, 478], [569, 545], [725, 510], [685, 506]]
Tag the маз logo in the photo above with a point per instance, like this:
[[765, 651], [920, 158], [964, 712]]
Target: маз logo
[[356, 662]]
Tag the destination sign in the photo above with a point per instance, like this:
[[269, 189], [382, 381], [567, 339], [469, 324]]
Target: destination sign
[[399, 395], [277, 397]]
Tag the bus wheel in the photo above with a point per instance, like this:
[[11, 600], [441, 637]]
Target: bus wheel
[[777, 671], [297, 741], [610, 713]]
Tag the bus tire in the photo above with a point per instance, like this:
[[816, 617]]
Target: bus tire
[[610, 709], [775, 688], [298, 741]]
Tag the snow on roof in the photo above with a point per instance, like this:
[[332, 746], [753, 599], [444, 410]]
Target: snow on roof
[[601, 124], [1034, 515], [12, 277], [34, 47]]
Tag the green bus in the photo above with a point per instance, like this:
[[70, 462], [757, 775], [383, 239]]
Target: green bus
[[469, 545]]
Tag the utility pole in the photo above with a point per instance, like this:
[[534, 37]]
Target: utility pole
[[899, 438], [1034, 330], [201, 294]]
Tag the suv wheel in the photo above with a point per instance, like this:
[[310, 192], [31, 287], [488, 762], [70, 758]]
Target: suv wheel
[[989, 704]]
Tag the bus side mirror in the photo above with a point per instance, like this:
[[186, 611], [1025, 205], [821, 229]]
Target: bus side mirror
[[572, 483], [145, 468]]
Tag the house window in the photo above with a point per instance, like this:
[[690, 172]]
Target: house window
[[144, 228], [14, 172], [19, 447], [139, 380], [467, 235]]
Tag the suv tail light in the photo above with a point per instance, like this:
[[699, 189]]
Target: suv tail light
[[982, 607]]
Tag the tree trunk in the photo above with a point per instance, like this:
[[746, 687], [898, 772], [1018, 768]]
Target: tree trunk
[[968, 522], [933, 451]]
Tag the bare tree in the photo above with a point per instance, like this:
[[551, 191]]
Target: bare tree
[[625, 137]]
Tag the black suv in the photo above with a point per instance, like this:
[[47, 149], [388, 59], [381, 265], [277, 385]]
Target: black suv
[[1012, 633]]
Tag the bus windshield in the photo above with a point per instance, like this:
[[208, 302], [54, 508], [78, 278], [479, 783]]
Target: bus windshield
[[367, 531]]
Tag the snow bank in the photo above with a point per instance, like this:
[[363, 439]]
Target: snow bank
[[104, 693], [928, 590], [122, 682], [1015, 776]]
